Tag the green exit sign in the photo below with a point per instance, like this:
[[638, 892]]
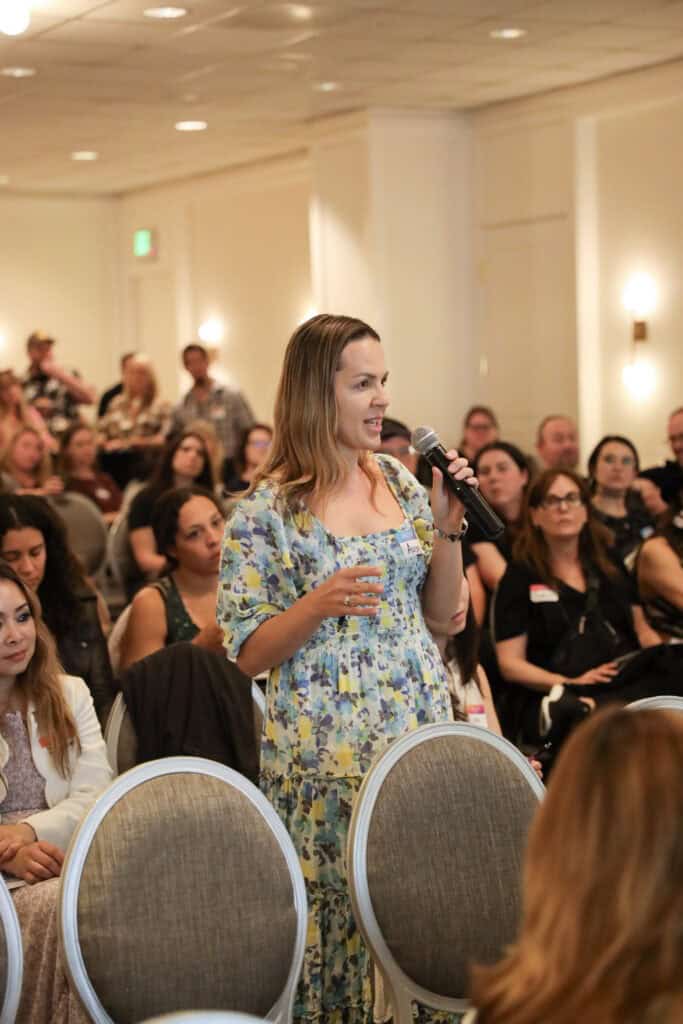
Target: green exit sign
[[145, 244]]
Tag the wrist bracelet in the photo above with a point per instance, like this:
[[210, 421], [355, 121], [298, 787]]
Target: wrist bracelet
[[452, 537]]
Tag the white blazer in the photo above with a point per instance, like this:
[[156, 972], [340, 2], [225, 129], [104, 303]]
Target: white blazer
[[68, 799]]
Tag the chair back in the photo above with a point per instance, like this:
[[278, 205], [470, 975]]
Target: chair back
[[182, 888], [85, 527], [120, 737], [115, 639], [663, 703], [11, 958], [119, 557], [435, 857]]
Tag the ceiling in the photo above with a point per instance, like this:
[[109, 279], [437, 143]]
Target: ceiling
[[110, 79]]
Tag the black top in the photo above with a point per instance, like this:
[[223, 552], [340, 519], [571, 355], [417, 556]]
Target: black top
[[628, 531], [503, 542], [526, 605], [669, 479], [107, 397], [83, 652], [141, 507]]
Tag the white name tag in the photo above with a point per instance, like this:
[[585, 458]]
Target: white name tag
[[540, 594], [411, 548]]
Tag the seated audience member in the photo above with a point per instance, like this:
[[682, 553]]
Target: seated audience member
[[480, 427], [659, 570], [27, 466], [503, 476], [458, 643], [54, 765], [116, 389], [15, 413], [612, 468], [33, 541], [49, 388], [135, 424], [224, 407], [557, 443], [253, 449], [600, 938], [669, 477], [395, 439], [648, 485], [564, 612], [78, 463], [188, 530], [182, 463]]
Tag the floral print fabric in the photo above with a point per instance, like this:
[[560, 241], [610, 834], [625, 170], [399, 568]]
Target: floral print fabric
[[353, 687]]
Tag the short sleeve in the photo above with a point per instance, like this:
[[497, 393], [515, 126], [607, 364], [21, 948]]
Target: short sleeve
[[511, 611], [413, 498], [256, 575], [140, 512]]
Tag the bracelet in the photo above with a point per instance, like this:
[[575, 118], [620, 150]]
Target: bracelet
[[452, 537]]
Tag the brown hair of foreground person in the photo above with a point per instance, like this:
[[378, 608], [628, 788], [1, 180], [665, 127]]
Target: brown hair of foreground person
[[601, 940]]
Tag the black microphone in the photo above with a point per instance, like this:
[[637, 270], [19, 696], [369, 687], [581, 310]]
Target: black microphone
[[426, 442]]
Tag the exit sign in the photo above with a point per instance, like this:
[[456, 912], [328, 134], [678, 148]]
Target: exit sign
[[145, 244]]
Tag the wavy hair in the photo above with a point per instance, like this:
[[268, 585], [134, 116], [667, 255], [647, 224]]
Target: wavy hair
[[163, 478], [43, 468], [304, 458], [530, 545], [602, 930], [64, 581], [40, 684]]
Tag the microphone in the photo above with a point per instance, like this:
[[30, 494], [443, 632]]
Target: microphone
[[426, 442]]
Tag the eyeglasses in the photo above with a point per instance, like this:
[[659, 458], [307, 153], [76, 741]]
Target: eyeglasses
[[571, 500]]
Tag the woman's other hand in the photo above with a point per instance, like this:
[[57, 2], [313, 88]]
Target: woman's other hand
[[36, 862], [12, 838], [600, 674], [344, 594], [447, 509], [53, 485]]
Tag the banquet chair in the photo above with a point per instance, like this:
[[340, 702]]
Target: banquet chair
[[435, 856], [85, 528], [663, 703], [120, 738], [11, 958], [181, 888], [206, 1017]]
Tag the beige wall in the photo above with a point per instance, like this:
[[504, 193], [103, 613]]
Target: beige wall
[[57, 260]]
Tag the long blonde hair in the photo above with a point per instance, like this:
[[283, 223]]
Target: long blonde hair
[[602, 933], [44, 467], [40, 684], [304, 457]]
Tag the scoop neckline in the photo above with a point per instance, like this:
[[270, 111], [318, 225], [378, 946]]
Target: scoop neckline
[[374, 533]]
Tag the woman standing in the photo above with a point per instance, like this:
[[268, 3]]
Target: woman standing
[[328, 564]]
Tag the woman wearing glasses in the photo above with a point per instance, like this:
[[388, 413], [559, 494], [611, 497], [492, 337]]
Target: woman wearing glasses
[[613, 466], [564, 612]]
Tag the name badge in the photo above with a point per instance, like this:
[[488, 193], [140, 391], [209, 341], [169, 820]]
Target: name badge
[[540, 594], [411, 548]]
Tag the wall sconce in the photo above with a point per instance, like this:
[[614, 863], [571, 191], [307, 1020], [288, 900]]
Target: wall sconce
[[211, 331], [639, 298]]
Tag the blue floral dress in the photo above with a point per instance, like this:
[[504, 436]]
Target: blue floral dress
[[354, 686]]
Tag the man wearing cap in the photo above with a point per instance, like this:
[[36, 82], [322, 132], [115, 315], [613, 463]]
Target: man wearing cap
[[53, 391]]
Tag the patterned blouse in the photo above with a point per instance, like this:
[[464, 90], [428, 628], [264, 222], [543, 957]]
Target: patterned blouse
[[125, 418], [357, 682]]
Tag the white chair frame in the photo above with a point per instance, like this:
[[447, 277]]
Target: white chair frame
[[659, 703], [112, 730], [15, 957], [401, 989], [205, 1017], [281, 1012]]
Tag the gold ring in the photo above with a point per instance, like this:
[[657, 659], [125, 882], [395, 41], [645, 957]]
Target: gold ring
[[347, 600]]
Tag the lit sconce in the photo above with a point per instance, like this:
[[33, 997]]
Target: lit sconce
[[211, 331], [639, 298], [15, 17]]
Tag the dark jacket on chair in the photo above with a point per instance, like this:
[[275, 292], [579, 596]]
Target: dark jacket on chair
[[83, 652], [184, 699]]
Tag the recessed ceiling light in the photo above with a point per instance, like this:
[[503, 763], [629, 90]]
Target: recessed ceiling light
[[507, 33], [326, 86], [18, 72], [84, 154], [299, 12], [191, 126], [15, 17], [165, 13]]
